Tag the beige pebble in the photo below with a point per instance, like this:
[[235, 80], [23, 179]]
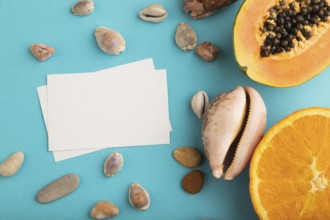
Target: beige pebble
[[188, 156], [12, 164], [193, 182], [58, 188], [104, 210], [138, 197]]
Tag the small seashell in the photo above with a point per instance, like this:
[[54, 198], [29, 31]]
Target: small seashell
[[104, 210], [193, 182], [12, 164], [199, 103], [153, 13], [83, 7], [113, 164], [185, 37], [109, 40], [58, 188], [188, 156], [207, 51], [41, 51], [138, 197]]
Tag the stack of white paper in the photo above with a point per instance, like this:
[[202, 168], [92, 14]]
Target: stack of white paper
[[117, 107]]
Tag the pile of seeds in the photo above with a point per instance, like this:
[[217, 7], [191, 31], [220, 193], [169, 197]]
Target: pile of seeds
[[289, 22]]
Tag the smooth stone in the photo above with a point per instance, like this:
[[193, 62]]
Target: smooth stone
[[58, 188], [138, 197], [188, 156], [193, 182], [104, 210], [207, 51], [12, 164]]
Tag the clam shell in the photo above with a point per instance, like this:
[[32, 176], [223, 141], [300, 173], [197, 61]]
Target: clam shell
[[232, 127], [110, 41], [153, 13], [185, 36]]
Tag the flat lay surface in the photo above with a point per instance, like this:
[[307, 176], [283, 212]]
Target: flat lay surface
[[22, 127]]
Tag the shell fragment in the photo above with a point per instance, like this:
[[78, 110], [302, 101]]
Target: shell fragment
[[41, 51]]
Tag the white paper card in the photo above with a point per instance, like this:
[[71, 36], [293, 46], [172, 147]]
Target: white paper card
[[58, 155], [121, 70], [81, 117]]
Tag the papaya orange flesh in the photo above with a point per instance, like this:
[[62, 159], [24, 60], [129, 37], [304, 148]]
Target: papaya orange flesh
[[308, 58]]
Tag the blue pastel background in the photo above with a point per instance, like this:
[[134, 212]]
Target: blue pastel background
[[23, 23]]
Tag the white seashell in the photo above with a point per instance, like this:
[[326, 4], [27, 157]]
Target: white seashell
[[113, 164], [83, 7], [185, 37], [232, 127], [199, 103], [153, 13], [138, 197], [110, 41]]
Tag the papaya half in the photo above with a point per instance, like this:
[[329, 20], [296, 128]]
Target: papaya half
[[282, 43]]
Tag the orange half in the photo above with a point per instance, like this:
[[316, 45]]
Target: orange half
[[290, 168]]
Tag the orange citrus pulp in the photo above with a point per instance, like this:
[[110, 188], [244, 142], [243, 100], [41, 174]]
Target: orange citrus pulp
[[290, 168]]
